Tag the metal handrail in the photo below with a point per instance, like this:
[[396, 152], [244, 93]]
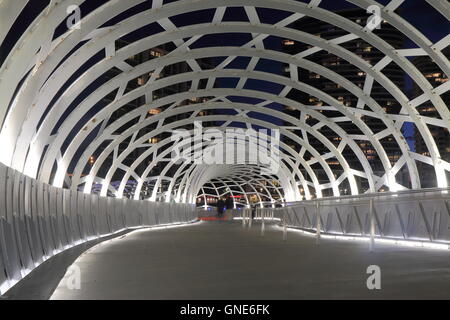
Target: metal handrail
[[372, 217], [379, 197], [417, 201]]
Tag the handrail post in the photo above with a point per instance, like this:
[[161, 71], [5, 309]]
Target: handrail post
[[318, 226], [262, 224], [247, 218], [372, 226]]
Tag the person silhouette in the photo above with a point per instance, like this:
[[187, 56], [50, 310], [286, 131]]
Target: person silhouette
[[220, 207]]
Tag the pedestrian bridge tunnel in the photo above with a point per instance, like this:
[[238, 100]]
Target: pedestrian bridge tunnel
[[118, 114]]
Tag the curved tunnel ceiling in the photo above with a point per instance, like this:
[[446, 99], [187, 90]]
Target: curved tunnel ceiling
[[69, 117]]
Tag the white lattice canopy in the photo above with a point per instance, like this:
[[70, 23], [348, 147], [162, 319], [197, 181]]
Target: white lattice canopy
[[65, 97]]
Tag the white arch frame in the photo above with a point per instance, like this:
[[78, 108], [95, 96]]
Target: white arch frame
[[38, 59]]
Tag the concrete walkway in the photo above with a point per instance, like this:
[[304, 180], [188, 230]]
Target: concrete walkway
[[221, 260]]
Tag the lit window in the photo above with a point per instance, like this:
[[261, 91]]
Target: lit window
[[288, 42], [141, 81], [337, 63], [155, 53], [154, 111]]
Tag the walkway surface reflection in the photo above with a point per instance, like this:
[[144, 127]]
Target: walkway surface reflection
[[221, 260]]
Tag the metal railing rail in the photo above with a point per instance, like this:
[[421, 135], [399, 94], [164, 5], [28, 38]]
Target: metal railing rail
[[421, 216], [378, 195], [413, 217], [37, 221]]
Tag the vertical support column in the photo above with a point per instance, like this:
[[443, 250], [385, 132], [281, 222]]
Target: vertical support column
[[284, 225], [243, 217], [318, 225], [250, 218], [372, 226]]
